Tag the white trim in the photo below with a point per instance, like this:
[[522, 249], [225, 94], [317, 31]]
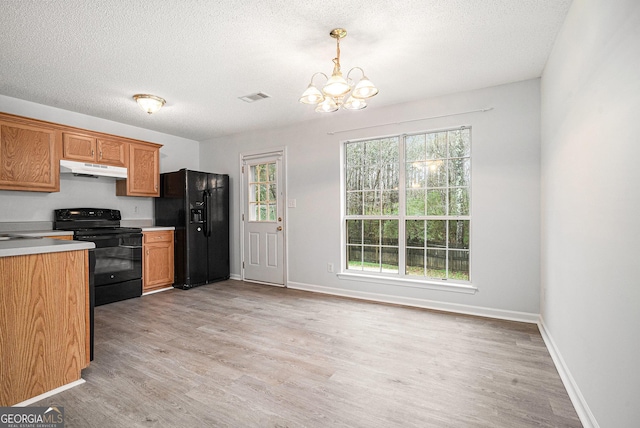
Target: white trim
[[265, 283], [575, 395], [235, 277], [49, 393], [414, 283], [420, 303]]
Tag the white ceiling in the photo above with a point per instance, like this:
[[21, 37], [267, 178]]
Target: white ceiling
[[201, 55]]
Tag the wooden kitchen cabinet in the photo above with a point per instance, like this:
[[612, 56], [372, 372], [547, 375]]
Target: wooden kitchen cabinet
[[78, 147], [29, 158], [143, 171], [157, 260], [44, 323], [87, 148], [110, 152]]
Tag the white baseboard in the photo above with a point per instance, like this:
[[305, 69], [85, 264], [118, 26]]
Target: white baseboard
[[420, 303], [579, 403], [49, 393], [235, 276]]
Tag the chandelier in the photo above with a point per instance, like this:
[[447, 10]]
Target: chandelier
[[337, 92]]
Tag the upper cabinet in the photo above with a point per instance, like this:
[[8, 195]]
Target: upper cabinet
[[86, 148], [78, 147], [29, 159], [111, 152], [30, 153], [143, 171]]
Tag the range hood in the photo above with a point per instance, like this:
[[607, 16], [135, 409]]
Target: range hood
[[91, 169]]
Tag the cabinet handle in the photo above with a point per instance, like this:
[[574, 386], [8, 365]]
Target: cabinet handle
[[100, 154], [92, 153]]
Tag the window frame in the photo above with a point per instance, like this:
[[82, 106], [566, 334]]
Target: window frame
[[401, 278]]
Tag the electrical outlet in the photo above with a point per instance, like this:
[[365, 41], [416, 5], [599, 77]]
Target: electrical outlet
[[330, 267]]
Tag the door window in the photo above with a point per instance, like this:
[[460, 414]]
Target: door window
[[263, 192]]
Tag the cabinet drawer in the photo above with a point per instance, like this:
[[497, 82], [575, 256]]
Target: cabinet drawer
[[161, 236]]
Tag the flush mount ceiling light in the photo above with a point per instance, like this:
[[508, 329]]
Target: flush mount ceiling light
[[149, 103], [338, 92]]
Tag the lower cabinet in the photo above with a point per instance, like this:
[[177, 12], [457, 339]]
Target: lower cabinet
[[44, 323], [157, 260]]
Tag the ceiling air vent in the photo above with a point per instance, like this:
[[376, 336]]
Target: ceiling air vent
[[254, 97]]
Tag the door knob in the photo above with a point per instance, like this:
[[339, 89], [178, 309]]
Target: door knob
[[279, 228]]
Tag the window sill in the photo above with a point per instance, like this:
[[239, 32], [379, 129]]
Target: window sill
[[414, 283]]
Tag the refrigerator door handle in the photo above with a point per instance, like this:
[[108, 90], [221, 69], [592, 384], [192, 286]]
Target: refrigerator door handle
[[207, 218], [205, 214]]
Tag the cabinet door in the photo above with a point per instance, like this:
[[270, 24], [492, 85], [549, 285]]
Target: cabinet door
[[111, 152], [28, 158], [143, 172], [157, 260], [78, 147]]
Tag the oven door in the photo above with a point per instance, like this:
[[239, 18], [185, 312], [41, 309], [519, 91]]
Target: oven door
[[118, 257]]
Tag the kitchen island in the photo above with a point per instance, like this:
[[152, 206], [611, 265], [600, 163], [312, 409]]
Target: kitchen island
[[44, 315]]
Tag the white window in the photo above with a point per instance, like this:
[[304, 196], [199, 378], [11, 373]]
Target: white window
[[407, 205]]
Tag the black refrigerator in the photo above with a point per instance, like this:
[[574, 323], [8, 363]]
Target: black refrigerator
[[197, 205]]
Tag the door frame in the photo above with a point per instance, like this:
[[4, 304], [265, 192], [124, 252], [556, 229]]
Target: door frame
[[253, 154]]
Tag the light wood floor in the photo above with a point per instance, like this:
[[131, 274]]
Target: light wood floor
[[235, 354]]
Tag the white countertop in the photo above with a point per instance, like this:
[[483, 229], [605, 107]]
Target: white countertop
[[157, 228], [43, 233], [21, 247]]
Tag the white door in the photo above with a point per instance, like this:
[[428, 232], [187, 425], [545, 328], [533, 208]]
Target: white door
[[263, 218]]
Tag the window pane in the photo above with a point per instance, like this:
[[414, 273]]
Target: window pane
[[416, 175], [459, 234], [371, 232], [459, 172], [437, 263], [415, 202], [354, 178], [262, 192], [390, 260], [372, 203], [459, 201], [415, 233], [254, 194], [459, 265], [253, 211], [371, 258], [437, 145], [354, 203], [437, 173], [390, 232], [437, 202], [354, 231], [354, 257], [459, 143], [262, 172], [272, 212], [262, 212], [272, 193], [271, 176], [390, 202], [354, 153], [415, 261], [415, 148], [436, 233]]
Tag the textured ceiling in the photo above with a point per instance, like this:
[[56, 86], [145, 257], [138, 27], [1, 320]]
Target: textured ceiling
[[201, 55]]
